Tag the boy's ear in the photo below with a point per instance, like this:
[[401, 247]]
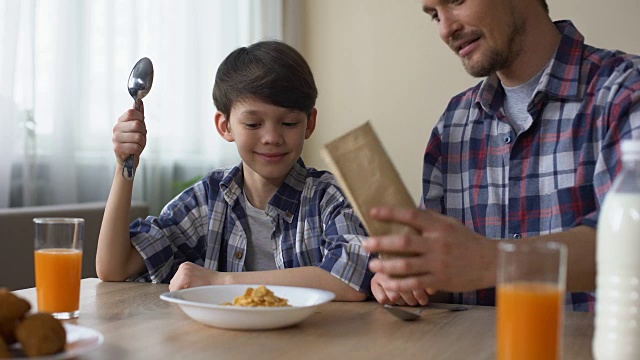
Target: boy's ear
[[311, 123], [222, 125]]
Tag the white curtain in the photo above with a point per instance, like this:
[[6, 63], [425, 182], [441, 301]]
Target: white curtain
[[64, 66]]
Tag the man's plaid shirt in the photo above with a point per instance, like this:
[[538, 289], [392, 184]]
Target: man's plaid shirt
[[551, 176]]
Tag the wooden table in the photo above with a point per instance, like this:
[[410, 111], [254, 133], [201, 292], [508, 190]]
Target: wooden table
[[137, 324]]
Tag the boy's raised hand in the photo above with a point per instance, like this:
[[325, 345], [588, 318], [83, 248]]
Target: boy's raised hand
[[130, 135]]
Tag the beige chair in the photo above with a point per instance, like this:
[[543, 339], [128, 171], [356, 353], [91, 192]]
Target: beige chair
[[17, 237]]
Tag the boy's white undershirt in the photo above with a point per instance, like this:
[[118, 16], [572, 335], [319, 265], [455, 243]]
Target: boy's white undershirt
[[260, 246]]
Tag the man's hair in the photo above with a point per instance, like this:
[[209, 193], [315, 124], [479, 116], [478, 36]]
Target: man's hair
[[271, 71]]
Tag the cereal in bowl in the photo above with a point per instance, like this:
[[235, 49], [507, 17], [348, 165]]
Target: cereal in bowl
[[260, 296]]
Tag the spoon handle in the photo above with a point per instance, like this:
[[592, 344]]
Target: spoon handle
[[128, 172]]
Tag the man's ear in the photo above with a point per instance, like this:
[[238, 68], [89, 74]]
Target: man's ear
[[311, 123], [222, 125]]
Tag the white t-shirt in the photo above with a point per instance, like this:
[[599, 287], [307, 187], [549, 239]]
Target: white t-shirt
[[260, 246]]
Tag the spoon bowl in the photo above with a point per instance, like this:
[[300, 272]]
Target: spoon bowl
[[139, 84], [140, 79]]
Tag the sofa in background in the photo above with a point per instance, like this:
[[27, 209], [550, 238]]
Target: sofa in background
[[17, 238]]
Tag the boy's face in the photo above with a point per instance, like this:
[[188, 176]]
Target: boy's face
[[485, 34], [269, 138]]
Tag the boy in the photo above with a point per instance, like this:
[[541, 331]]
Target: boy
[[269, 220]]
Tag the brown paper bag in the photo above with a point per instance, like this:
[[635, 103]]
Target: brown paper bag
[[368, 177]]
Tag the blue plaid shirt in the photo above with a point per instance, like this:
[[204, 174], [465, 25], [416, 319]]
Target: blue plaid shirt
[[313, 225], [551, 176]]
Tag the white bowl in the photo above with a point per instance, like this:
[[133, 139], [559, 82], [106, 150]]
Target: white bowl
[[203, 304]]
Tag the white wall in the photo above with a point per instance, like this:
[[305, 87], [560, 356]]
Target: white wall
[[382, 60]]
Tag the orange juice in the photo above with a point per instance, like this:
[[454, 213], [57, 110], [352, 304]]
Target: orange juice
[[529, 321], [58, 273]]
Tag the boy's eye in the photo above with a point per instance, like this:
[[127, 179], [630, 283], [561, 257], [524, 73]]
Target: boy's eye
[[251, 125], [290, 124]]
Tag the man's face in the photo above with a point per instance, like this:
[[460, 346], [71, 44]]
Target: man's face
[[485, 34]]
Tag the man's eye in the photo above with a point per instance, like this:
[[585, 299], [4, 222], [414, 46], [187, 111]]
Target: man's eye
[[434, 16]]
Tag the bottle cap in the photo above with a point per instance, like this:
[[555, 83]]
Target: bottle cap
[[630, 149]]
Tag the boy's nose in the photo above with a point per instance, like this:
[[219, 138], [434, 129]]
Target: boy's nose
[[272, 136]]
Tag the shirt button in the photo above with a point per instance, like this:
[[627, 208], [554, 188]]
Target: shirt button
[[238, 255], [507, 139], [289, 214], [517, 236]]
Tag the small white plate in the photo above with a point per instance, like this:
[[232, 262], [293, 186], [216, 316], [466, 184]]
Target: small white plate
[[203, 304], [80, 340]]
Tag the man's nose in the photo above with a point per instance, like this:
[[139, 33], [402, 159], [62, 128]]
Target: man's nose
[[449, 25]]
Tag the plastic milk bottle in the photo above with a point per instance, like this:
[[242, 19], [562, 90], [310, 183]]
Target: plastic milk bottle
[[617, 318]]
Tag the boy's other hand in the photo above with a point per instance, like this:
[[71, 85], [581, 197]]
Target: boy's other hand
[[386, 296], [191, 275], [129, 135]]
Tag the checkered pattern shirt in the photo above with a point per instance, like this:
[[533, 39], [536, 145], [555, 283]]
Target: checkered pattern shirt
[[551, 176], [313, 225]]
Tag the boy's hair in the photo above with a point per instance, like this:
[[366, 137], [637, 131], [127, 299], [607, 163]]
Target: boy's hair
[[271, 71]]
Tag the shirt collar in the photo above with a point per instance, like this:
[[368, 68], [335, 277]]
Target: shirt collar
[[285, 202], [561, 78]]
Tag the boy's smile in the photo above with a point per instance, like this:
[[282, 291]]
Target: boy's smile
[[274, 157]]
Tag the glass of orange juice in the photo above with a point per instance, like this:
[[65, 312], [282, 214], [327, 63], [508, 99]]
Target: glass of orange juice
[[58, 265], [530, 299]]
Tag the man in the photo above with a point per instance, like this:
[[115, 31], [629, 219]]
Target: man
[[529, 153]]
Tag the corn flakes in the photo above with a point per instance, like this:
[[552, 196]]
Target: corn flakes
[[260, 296]]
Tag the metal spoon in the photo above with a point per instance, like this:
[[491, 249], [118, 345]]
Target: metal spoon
[[139, 84], [408, 315]]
